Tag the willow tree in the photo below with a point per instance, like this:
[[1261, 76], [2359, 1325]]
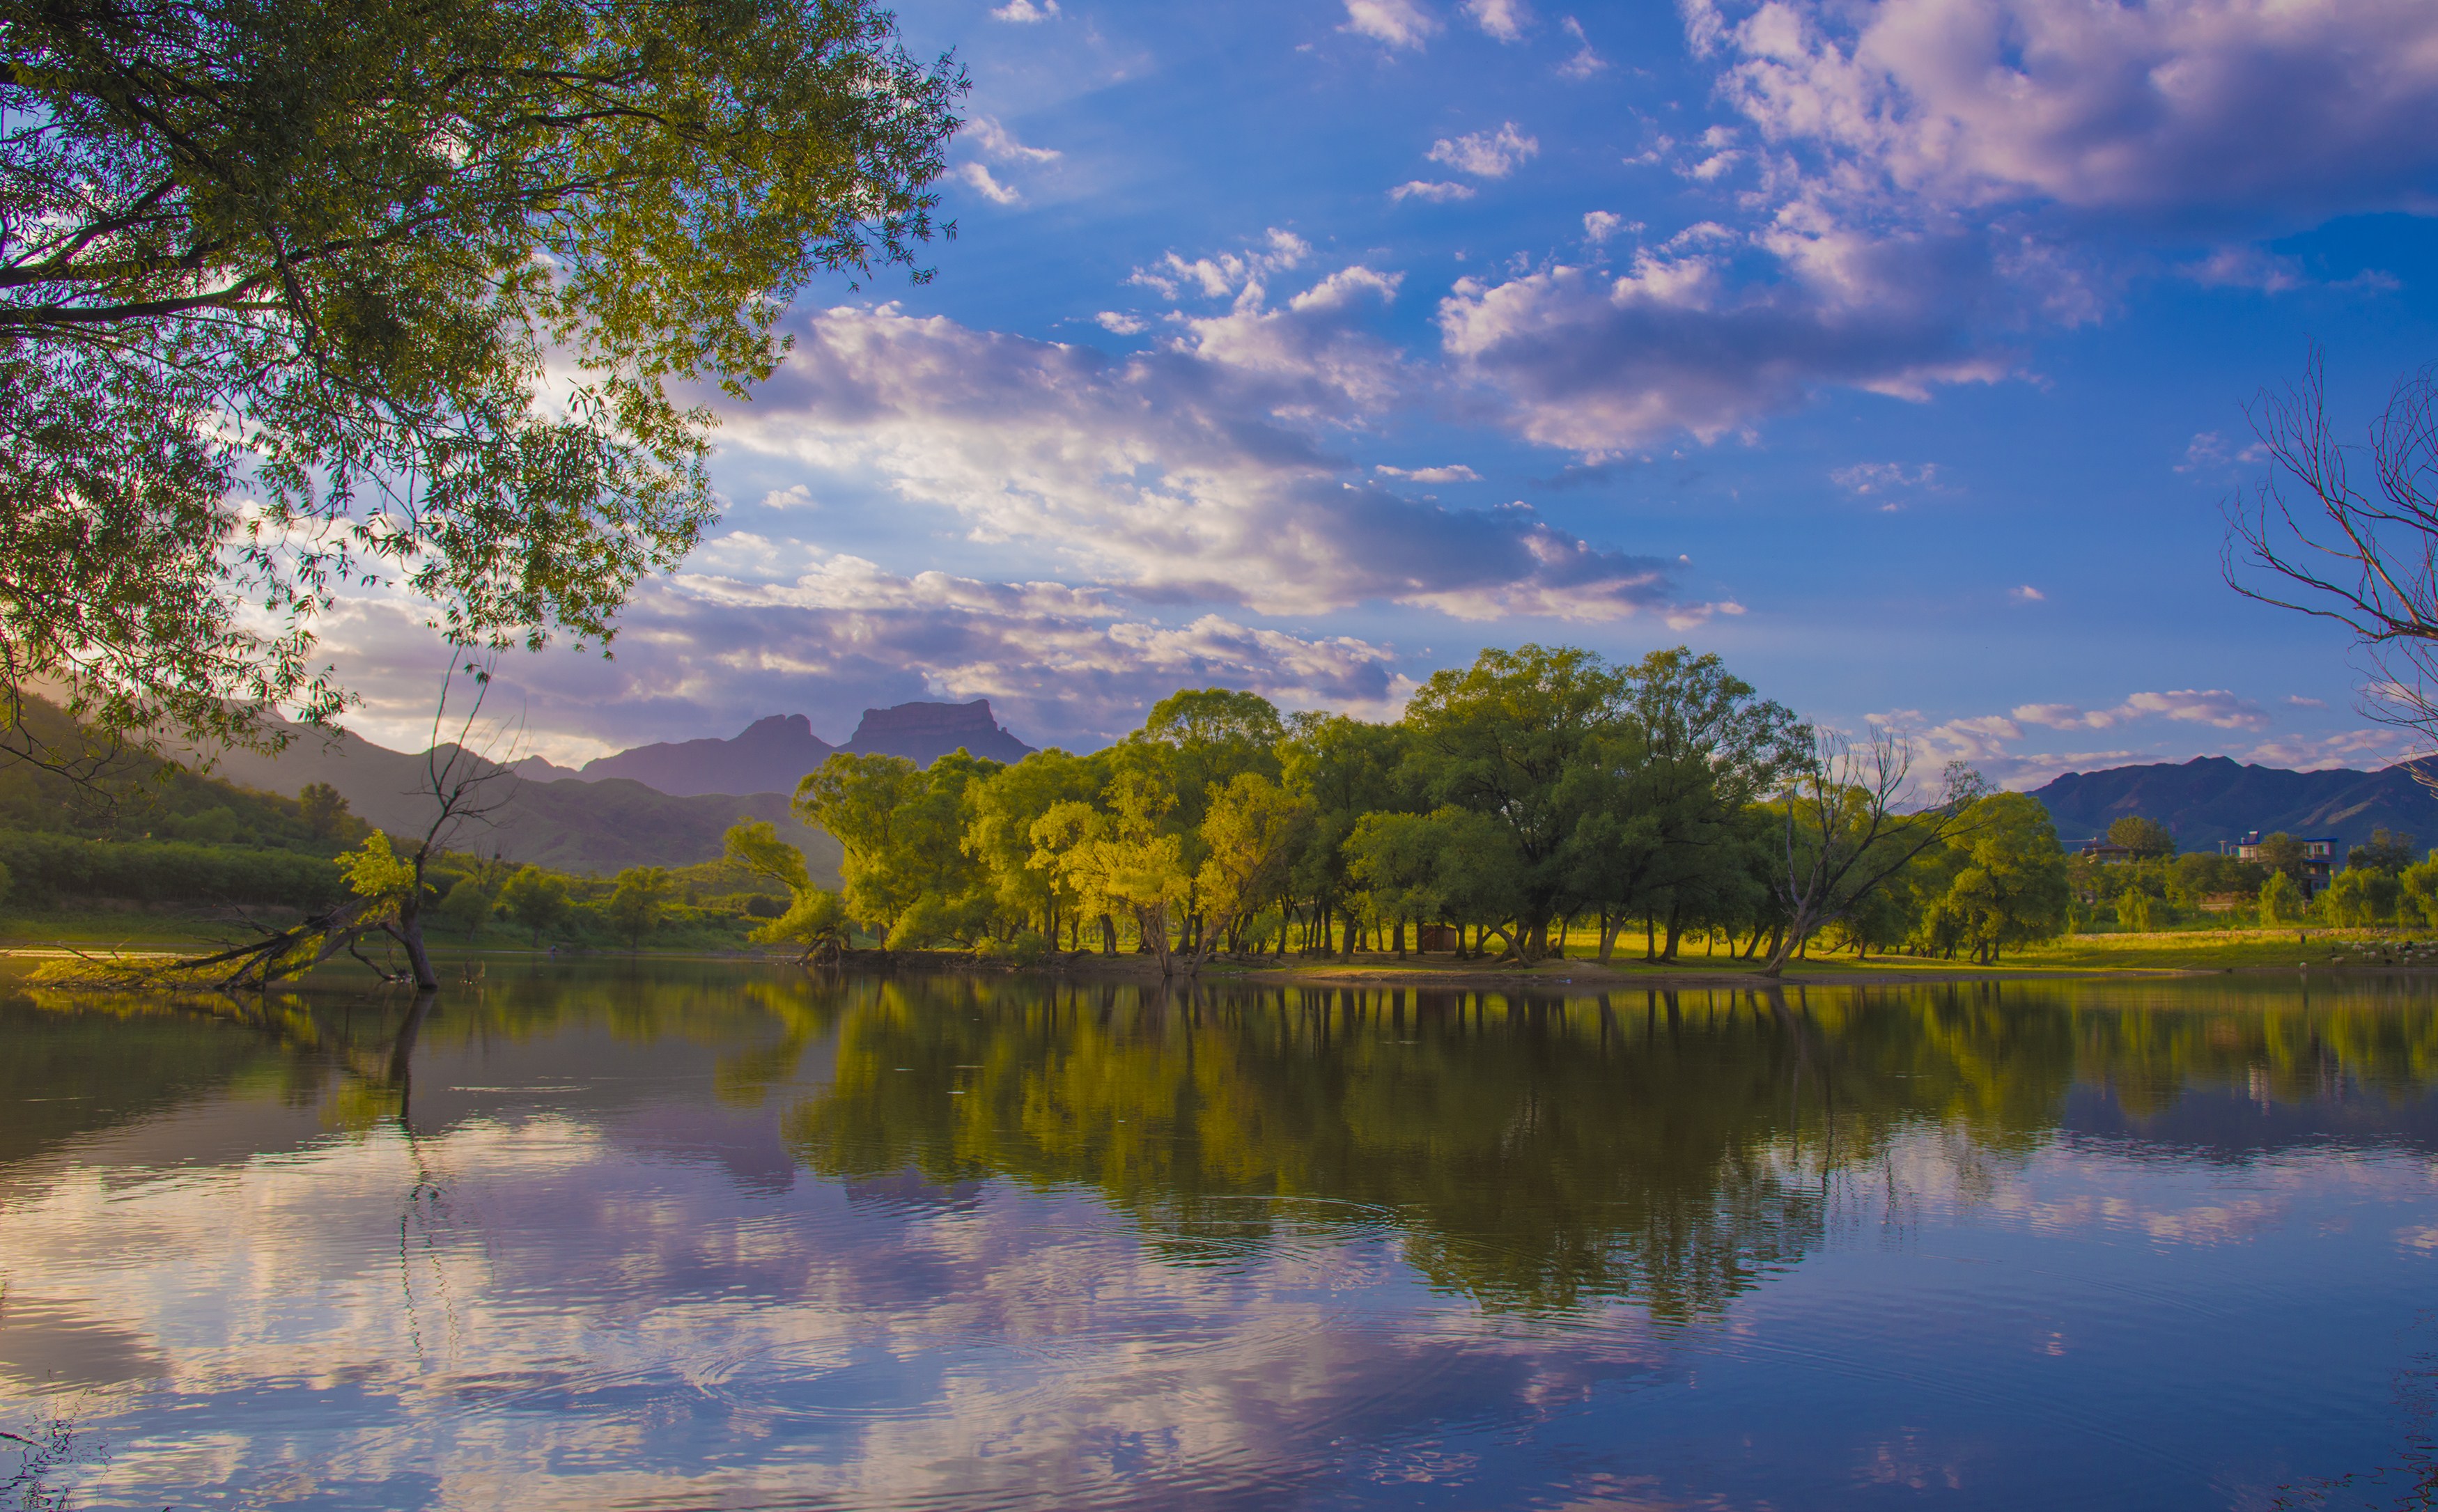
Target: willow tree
[[427, 293]]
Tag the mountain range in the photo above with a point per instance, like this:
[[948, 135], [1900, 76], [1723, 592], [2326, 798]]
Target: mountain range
[[2211, 799], [771, 755], [586, 827], [667, 804]]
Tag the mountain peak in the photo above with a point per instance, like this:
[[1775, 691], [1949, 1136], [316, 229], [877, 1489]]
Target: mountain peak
[[924, 732]]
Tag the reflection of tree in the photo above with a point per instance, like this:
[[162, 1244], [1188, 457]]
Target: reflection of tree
[[1664, 1147], [1669, 1149]]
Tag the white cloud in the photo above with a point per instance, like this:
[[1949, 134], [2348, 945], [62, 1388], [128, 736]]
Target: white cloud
[[1120, 324], [2215, 707], [1502, 19], [1485, 154], [1189, 474], [2231, 110], [795, 496], [2301, 702], [1869, 478], [1225, 274], [2207, 451], [1599, 225], [1585, 63], [1002, 146], [1026, 11], [1396, 23], [2027, 594], [1457, 472], [713, 648], [1597, 362], [2373, 748], [1438, 192], [979, 178]]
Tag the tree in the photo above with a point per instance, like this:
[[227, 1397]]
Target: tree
[[903, 828], [635, 903], [1844, 836], [468, 904], [324, 807], [2386, 851], [2147, 839], [1002, 811], [2281, 851], [2011, 889], [2281, 900], [1343, 770], [1499, 739], [1660, 794], [2362, 895], [288, 305], [1247, 838], [536, 899], [1119, 858]]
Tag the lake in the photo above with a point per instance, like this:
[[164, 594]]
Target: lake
[[680, 1233]]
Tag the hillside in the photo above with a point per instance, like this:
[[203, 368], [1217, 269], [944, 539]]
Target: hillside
[[596, 827], [2212, 798]]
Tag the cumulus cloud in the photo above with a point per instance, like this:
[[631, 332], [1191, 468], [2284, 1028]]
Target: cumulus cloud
[[2218, 111], [1026, 11], [1396, 23], [2027, 594], [1485, 154], [1118, 323], [2202, 705], [1599, 363], [1599, 225], [1502, 19], [1220, 274], [1194, 472], [1436, 191], [1457, 472]]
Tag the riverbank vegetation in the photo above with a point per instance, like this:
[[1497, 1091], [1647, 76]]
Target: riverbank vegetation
[[1540, 801]]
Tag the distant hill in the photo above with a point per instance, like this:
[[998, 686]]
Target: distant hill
[[598, 827], [924, 732], [2211, 799], [771, 756]]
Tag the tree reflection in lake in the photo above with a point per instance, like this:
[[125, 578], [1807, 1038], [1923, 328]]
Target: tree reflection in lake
[[946, 1240]]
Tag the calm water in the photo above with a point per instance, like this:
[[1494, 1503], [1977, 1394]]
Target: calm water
[[698, 1236]]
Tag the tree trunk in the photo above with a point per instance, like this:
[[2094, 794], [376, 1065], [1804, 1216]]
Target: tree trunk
[[409, 931], [1675, 931], [1609, 926], [1108, 936]]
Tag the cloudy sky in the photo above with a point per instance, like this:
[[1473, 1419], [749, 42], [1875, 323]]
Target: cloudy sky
[[1899, 352]]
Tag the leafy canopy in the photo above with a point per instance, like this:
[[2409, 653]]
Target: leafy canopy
[[292, 299]]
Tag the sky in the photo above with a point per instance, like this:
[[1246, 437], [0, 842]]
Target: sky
[[1902, 354]]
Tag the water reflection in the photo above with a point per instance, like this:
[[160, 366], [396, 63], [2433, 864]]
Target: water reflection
[[707, 1234]]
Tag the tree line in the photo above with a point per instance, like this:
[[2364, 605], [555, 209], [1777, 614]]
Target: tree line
[[2153, 886], [1539, 797]]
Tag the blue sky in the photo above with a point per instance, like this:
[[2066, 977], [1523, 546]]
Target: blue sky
[[1899, 352]]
